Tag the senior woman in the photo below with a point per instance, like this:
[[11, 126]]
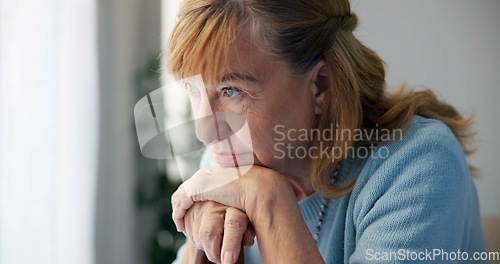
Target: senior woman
[[378, 176]]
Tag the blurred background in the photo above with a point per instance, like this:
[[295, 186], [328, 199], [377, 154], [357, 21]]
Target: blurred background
[[74, 187]]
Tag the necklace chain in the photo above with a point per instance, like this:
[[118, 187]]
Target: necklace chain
[[323, 207]]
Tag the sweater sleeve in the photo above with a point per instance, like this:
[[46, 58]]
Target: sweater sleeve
[[416, 204]]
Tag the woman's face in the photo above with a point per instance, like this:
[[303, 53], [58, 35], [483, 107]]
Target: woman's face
[[275, 104]]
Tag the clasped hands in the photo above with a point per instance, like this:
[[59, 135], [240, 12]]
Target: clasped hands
[[217, 209]]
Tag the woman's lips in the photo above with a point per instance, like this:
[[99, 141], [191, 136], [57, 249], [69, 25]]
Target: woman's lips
[[233, 160]]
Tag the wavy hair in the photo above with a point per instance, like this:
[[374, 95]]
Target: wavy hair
[[300, 33]]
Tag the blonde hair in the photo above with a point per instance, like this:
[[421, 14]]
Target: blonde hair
[[300, 33]]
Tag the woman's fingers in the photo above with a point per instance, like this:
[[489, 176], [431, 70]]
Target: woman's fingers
[[210, 230], [224, 185], [192, 224], [180, 204], [200, 187], [216, 229], [235, 224]]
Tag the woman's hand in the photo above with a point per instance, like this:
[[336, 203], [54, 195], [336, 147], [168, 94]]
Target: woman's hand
[[216, 228], [268, 201], [250, 193]]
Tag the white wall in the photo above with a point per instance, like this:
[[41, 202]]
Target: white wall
[[453, 47]]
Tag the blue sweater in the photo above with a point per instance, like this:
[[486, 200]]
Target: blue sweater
[[414, 199]]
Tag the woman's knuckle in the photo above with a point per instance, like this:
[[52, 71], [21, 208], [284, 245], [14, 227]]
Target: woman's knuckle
[[207, 234], [236, 223]]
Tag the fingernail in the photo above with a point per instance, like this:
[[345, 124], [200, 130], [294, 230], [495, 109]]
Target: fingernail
[[228, 258]]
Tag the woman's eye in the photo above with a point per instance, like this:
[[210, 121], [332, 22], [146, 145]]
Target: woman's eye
[[191, 89], [230, 92]]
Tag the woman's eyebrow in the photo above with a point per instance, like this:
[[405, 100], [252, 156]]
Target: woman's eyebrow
[[239, 76]]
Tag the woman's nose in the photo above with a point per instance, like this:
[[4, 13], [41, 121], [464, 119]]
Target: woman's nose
[[213, 128], [211, 124]]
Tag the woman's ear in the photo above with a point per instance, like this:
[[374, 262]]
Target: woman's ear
[[320, 83]]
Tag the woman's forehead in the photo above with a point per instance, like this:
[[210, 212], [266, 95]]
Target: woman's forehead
[[247, 62], [242, 62]]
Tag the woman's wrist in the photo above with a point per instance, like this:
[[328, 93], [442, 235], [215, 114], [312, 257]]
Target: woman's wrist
[[271, 187], [284, 236], [279, 226]]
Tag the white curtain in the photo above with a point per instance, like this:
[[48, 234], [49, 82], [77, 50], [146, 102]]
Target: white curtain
[[48, 130]]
